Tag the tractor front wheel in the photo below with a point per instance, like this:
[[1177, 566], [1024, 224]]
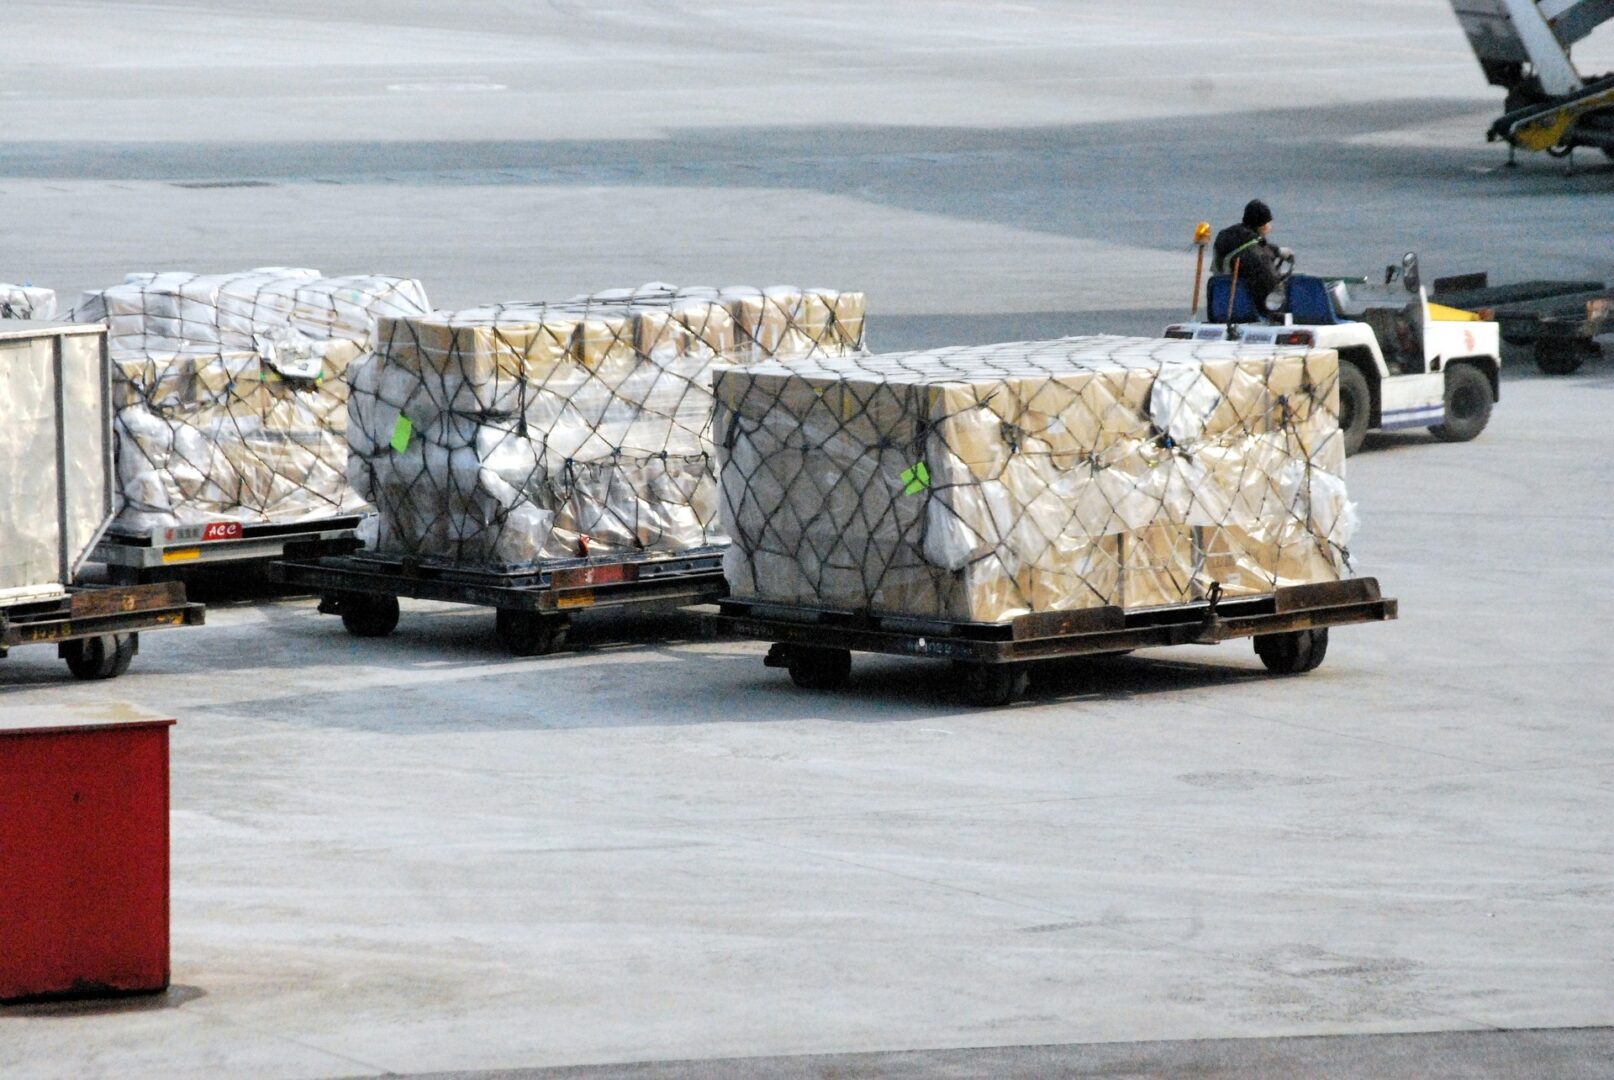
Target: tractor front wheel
[[1468, 404]]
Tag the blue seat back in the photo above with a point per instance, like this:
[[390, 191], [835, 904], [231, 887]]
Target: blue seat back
[[1217, 291], [1309, 302]]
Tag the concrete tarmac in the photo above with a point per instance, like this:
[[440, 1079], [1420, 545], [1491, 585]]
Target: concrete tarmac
[[653, 856]]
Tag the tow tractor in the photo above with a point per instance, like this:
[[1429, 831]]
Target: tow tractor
[[1404, 362]]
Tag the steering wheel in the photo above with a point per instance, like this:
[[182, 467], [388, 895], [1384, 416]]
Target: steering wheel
[[1277, 300], [1285, 265]]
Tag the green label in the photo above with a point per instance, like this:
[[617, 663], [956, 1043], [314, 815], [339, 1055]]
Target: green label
[[401, 431], [916, 479]]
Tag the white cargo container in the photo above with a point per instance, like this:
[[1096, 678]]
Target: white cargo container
[[56, 471]]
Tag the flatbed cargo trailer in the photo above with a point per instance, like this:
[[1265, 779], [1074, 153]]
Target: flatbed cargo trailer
[[1559, 319], [534, 607], [164, 551], [1290, 628], [96, 629]]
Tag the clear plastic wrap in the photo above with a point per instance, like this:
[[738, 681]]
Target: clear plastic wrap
[[232, 390], [26, 302], [502, 436], [978, 484]]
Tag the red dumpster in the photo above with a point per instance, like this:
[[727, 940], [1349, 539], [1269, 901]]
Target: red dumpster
[[83, 851]]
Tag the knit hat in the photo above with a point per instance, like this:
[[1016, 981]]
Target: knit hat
[[1256, 213]]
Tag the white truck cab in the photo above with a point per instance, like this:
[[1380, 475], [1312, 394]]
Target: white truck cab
[[1404, 362]]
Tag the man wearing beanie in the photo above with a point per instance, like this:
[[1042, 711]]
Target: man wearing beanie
[[1246, 243]]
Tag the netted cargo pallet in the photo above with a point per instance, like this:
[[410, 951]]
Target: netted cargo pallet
[[979, 484], [26, 302], [1033, 490], [231, 392], [506, 436]]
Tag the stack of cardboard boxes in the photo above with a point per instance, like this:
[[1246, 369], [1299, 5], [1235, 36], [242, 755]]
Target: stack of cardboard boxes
[[978, 484], [503, 436], [231, 390]]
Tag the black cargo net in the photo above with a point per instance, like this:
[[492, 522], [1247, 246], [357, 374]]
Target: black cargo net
[[504, 436], [231, 390], [982, 483]]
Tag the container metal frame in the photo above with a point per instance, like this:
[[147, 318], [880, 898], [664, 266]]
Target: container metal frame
[[534, 606]]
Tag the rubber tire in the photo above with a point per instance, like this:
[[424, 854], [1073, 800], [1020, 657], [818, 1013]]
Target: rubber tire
[[1293, 653], [814, 668], [104, 657], [1468, 404], [1563, 356], [369, 616], [1355, 403], [993, 685], [527, 633]]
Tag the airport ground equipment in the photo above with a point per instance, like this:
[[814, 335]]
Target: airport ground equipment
[[1523, 46], [56, 495], [166, 551], [57, 479], [1559, 320], [1289, 628], [1404, 362], [96, 629], [533, 607]]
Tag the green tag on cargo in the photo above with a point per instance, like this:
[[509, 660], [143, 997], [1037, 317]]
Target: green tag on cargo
[[401, 432], [916, 479]]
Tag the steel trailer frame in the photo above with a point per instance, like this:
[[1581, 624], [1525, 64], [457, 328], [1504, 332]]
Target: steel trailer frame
[[133, 557], [1558, 319], [534, 607], [994, 655], [96, 628]]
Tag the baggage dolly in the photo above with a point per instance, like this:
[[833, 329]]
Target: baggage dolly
[[533, 608], [160, 553], [1290, 628], [1559, 319], [96, 629]]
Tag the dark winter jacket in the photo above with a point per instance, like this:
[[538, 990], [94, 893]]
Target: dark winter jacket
[[1257, 259]]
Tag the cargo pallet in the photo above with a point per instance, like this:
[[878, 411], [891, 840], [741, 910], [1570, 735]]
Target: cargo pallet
[[1559, 319], [162, 552], [533, 607], [96, 629], [1290, 628]]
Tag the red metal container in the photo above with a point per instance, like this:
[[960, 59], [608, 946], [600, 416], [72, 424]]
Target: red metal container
[[83, 851]]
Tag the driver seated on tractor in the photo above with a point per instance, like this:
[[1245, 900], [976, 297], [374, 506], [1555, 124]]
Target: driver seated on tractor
[[1258, 260]]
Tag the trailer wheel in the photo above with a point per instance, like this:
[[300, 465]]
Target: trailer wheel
[[992, 685], [104, 657], [1294, 653], [1355, 406], [815, 668], [369, 616], [1563, 356], [1468, 404], [527, 633]]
